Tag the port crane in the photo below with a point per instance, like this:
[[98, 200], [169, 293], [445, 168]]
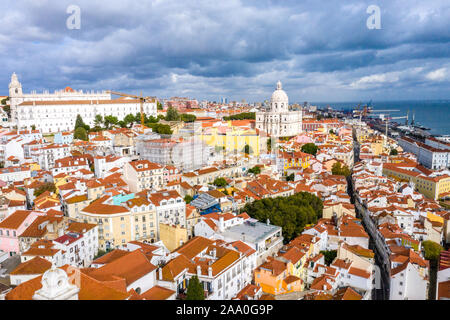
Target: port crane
[[392, 110], [141, 101], [363, 111], [395, 118]]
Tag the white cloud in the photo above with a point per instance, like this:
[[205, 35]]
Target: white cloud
[[437, 75], [174, 78], [375, 80]]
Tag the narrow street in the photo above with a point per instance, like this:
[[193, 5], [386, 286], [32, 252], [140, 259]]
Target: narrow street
[[377, 293]]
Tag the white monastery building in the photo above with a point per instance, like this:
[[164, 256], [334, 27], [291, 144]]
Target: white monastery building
[[55, 112], [279, 121]]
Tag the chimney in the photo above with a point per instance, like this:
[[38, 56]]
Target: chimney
[[199, 271], [221, 224], [160, 273], [210, 272]]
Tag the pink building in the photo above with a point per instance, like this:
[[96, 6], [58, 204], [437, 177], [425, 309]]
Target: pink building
[[171, 173], [13, 226], [303, 138]]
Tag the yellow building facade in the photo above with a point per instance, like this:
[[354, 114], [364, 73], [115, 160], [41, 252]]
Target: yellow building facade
[[172, 236], [234, 139]]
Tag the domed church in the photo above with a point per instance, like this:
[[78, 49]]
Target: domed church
[[279, 121]]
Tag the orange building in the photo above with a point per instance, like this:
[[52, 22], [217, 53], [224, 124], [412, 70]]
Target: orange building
[[273, 277]]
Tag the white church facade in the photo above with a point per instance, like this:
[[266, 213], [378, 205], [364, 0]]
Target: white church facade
[[279, 121], [55, 112]]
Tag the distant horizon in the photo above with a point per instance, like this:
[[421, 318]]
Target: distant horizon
[[382, 101], [357, 101]]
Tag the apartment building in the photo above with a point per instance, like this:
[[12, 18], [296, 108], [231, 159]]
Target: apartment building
[[432, 154], [219, 267], [143, 174]]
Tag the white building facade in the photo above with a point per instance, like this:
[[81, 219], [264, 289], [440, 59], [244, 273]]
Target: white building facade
[[55, 112], [279, 121]]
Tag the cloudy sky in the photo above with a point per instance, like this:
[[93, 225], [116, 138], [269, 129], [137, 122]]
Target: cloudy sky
[[207, 49]]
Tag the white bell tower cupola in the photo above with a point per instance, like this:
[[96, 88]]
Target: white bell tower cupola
[[279, 101], [15, 87], [56, 286]]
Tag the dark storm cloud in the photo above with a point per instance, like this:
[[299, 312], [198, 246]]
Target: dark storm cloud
[[320, 49]]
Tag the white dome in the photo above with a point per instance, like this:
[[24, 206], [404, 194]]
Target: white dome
[[279, 95], [279, 100], [56, 286], [55, 278]]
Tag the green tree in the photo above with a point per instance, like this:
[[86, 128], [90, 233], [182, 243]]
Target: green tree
[[393, 152], [290, 177], [241, 116], [129, 118], [159, 105], [255, 170], [310, 148], [186, 117], [7, 109], [329, 256], [79, 122], [81, 134], [339, 170], [159, 128], [220, 182], [110, 120], [331, 131], [33, 127], [152, 119], [432, 250], [172, 114], [188, 198], [291, 213], [269, 144], [247, 149], [48, 186], [195, 289], [98, 120]]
